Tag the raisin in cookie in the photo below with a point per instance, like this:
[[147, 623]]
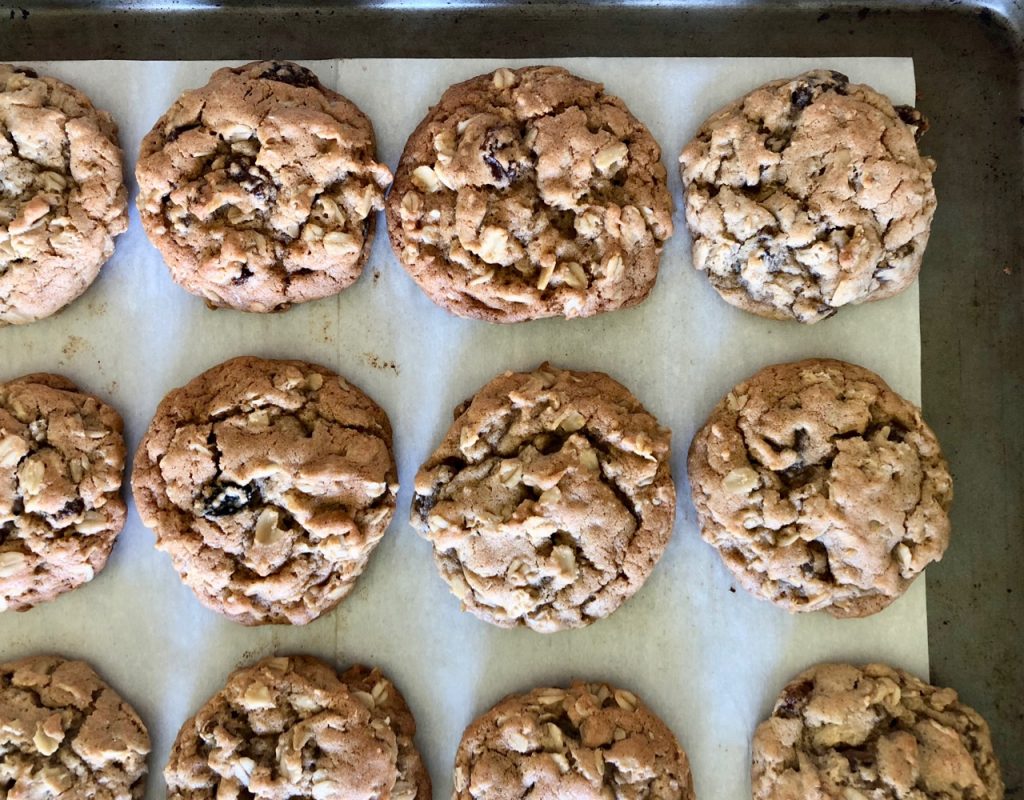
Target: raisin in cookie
[[66, 733], [64, 198], [872, 732], [269, 484], [590, 741], [530, 193], [61, 466], [260, 188], [550, 499], [808, 194], [821, 488], [289, 727]]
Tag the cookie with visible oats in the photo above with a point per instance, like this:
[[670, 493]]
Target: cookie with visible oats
[[871, 732], [386, 703], [550, 499], [66, 733], [821, 488], [261, 188], [530, 193], [290, 727], [269, 484], [591, 741], [61, 467], [64, 198], [809, 194]]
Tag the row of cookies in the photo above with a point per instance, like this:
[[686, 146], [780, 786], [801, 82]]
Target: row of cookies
[[548, 502], [522, 194], [293, 727]]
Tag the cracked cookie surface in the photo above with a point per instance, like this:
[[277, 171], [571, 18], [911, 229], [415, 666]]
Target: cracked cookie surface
[[590, 741], [808, 194], [62, 199], [821, 488], [386, 703], [872, 732], [269, 484], [61, 466], [289, 726], [66, 733], [530, 193], [550, 499], [260, 189]]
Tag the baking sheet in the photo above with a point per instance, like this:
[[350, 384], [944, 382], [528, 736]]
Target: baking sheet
[[708, 660]]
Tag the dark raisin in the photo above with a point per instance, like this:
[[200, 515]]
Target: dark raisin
[[254, 179], [841, 82], [798, 474], [497, 169], [832, 81], [914, 119], [292, 74], [28, 73], [71, 509], [242, 276], [224, 499], [501, 147], [793, 699], [421, 505], [802, 96], [773, 262]]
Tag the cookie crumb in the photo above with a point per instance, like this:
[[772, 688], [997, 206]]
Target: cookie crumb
[[73, 346], [377, 362]]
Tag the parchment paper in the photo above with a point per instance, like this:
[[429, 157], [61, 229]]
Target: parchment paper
[[709, 660]]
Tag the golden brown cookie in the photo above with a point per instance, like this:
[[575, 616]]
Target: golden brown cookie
[[550, 499], [821, 488], [260, 189], [808, 194], [591, 741], [64, 198], [386, 703], [269, 484], [530, 193], [872, 732], [65, 733], [289, 727], [61, 466]]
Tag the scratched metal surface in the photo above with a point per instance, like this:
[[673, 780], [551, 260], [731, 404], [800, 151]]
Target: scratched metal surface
[[969, 61]]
